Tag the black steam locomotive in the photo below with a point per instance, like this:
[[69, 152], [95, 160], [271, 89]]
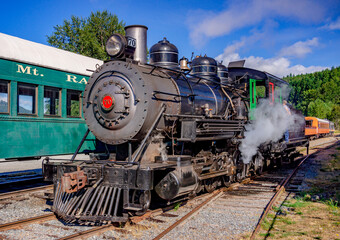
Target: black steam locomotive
[[176, 131]]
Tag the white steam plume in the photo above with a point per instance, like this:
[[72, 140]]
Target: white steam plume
[[271, 122]]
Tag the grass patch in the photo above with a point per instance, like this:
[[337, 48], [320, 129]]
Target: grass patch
[[177, 206], [333, 207], [297, 204], [276, 209], [267, 234], [287, 221], [266, 224]]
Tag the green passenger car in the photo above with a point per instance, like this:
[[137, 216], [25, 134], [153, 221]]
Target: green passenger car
[[40, 99]]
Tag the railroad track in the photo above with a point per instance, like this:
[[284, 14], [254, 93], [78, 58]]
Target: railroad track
[[24, 191], [259, 184], [257, 190], [21, 223], [159, 214]]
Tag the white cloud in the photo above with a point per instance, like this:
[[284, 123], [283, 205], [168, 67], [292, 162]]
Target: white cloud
[[279, 66], [300, 48], [240, 14], [333, 25]]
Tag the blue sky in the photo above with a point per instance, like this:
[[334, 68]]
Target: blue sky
[[278, 36]]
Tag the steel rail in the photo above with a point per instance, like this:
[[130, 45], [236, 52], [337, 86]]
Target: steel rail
[[24, 191], [20, 223], [89, 233]]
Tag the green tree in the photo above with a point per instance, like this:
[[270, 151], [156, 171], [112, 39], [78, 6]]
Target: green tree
[[317, 94], [87, 36], [320, 109], [75, 108]]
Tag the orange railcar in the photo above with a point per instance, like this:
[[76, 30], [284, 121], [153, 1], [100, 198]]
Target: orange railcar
[[316, 127]]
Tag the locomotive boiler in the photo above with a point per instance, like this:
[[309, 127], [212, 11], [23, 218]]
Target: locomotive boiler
[[176, 132]]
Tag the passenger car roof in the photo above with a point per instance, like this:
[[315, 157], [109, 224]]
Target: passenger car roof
[[24, 51]]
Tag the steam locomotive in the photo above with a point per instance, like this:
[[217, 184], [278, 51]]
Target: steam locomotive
[[176, 131]]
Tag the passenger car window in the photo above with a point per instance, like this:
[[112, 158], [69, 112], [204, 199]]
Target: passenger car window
[[26, 98], [4, 97], [73, 103], [51, 101]]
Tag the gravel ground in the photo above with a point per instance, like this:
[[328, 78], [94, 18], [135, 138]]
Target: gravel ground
[[48, 230], [21, 208]]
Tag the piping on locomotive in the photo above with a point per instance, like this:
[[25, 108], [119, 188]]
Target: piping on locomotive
[[197, 115]]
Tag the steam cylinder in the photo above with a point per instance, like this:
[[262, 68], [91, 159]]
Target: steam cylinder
[[179, 182]]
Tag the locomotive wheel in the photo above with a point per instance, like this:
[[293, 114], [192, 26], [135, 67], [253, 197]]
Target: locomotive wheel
[[142, 198], [259, 170], [242, 173], [227, 180], [279, 161], [210, 185], [199, 187]]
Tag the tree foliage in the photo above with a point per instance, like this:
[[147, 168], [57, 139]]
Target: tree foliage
[[317, 94], [87, 36]]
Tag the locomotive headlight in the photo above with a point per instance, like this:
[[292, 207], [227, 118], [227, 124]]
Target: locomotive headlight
[[115, 45]]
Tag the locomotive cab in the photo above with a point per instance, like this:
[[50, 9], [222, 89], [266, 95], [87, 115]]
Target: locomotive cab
[[264, 88], [258, 85]]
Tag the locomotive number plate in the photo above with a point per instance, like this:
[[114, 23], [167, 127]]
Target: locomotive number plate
[[131, 42], [107, 102]]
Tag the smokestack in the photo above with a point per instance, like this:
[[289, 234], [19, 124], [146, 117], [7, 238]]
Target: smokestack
[[138, 32]]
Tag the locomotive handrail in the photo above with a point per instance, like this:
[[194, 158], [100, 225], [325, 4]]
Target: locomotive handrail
[[172, 94], [183, 115]]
